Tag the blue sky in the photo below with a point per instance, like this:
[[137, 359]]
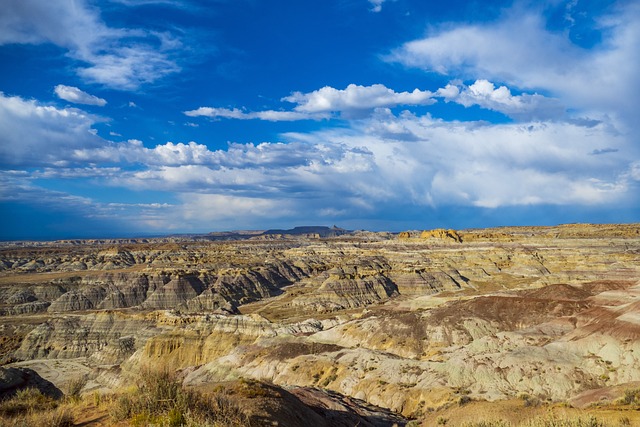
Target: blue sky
[[148, 117]]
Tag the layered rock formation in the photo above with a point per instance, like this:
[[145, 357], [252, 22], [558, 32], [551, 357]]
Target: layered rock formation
[[409, 323]]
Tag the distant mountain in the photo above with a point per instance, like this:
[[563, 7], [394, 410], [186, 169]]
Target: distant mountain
[[309, 231], [321, 231]]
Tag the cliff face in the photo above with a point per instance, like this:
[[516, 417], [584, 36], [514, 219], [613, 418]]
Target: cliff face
[[187, 290], [404, 323]]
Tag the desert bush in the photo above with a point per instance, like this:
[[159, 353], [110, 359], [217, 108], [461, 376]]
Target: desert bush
[[531, 401], [74, 388], [25, 401], [463, 400], [631, 396], [59, 417], [161, 400]]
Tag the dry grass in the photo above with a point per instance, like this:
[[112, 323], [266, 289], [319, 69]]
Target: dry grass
[[519, 413], [550, 421], [161, 400], [74, 388], [30, 408], [158, 400]]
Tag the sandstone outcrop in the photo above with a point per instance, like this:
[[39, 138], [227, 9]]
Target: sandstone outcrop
[[440, 233]]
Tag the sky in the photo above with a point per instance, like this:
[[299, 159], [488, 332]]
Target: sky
[[154, 117]]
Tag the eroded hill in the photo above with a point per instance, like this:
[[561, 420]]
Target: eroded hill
[[411, 323]]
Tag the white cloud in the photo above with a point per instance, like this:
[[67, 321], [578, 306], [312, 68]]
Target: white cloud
[[516, 49], [364, 171], [235, 113], [86, 213], [522, 52], [78, 172], [353, 102], [217, 112], [525, 107], [356, 98], [229, 208], [36, 134], [382, 162], [376, 5], [441, 164], [109, 55], [471, 164], [77, 96]]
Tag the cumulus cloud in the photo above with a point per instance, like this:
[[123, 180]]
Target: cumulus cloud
[[173, 162], [35, 134], [117, 57], [356, 98], [353, 102], [471, 164], [521, 51], [483, 93], [404, 160], [77, 96], [384, 162], [368, 168]]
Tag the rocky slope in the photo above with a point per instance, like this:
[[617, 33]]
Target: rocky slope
[[411, 322]]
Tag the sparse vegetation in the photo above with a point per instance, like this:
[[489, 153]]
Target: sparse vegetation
[[25, 401], [551, 421], [75, 386], [463, 400], [625, 421], [329, 380], [630, 397], [498, 423], [30, 408], [161, 400], [528, 400]]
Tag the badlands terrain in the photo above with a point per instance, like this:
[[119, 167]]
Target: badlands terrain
[[321, 326]]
